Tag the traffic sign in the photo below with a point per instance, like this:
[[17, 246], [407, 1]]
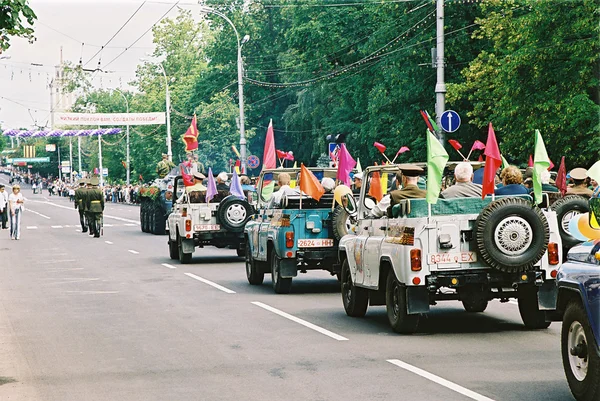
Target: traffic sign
[[450, 121], [105, 172], [253, 161], [332, 147]]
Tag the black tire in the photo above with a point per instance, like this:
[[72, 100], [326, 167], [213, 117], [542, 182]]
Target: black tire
[[233, 213], [355, 299], [475, 306], [567, 208], [240, 252], [142, 225], [577, 336], [280, 285], [339, 222], [254, 276], [173, 249], [396, 305], [144, 217], [532, 316], [159, 221], [512, 235], [184, 258]]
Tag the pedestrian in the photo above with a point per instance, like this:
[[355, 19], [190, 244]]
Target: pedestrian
[[3, 208], [15, 201]]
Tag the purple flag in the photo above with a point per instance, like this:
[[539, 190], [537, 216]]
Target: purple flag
[[345, 165], [211, 191], [235, 188]]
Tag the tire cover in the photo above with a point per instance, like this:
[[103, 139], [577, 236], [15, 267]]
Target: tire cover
[[339, 222], [567, 208], [511, 235], [233, 213]]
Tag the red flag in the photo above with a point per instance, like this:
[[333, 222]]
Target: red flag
[[187, 178], [190, 138], [530, 163], [309, 184], [269, 159], [480, 158], [141, 178], [380, 147], [402, 150], [561, 177], [427, 122], [289, 156], [455, 144], [124, 164], [551, 165], [477, 145], [280, 154], [493, 161]]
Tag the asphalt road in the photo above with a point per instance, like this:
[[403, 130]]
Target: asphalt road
[[115, 319]]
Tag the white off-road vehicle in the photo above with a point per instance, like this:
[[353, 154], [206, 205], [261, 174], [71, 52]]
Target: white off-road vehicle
[[193, 222], [465, 249]]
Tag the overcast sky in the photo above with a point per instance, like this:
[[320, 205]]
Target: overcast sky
[[69, 24]]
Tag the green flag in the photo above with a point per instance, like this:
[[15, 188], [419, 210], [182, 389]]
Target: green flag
[[541, 162], [504, 162], [436, 161], [358, 166]]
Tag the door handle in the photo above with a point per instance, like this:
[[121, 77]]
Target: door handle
[[383, 228]]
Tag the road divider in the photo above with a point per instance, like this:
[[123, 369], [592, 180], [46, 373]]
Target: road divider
[[301, 321], [205, 281]]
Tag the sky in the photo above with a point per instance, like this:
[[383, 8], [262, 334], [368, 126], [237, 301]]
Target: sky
[[81, 28]]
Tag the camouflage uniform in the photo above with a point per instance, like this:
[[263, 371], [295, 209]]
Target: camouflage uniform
[[164, 167]]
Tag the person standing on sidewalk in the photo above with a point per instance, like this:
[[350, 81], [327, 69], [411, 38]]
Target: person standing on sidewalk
[[15, 201], [3, 208]]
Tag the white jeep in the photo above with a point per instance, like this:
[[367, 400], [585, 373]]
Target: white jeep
[[465, 249]]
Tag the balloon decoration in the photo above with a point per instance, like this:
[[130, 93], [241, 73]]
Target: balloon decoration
[[574, 229], [340, 191], [583, 225]]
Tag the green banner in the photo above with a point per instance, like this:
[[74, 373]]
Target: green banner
[[31, 160]]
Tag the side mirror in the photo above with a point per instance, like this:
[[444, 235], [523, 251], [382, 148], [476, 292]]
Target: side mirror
[[349, 204]]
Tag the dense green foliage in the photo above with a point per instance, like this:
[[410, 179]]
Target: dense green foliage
[[365, 70], [13, 13]]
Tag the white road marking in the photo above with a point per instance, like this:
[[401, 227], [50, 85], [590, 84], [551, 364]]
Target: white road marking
[[205, 281], [132, 251], [105, 216], [107, 225], [56, 226], [108, 242], [169, 266], [443, 382], [130, 224], [92, 292], [301, 321], [71, 281], [53, 261], [32, 227], [39, 214]]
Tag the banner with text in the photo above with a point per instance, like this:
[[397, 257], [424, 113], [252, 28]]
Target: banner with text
[[97, 119]]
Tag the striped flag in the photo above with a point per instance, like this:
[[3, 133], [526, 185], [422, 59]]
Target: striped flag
[[28, 151]]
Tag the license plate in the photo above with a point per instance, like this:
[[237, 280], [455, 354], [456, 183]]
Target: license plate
[[315, 243], [207, 227], [451, 257]]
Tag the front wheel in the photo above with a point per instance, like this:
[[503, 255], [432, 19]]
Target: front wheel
[[184, 258], [280, 285], [532, 316], [252, 274], [579, 354], [396, 305]]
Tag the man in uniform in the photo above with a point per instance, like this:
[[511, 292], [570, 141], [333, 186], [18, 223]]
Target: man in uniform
[[80, 204], [86, 206], [164, 166], [95, 206], [579, 176], [409, 177]]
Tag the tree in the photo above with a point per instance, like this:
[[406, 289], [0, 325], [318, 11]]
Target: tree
[[12, 14]]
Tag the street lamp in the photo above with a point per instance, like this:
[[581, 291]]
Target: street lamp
[[240, 66], [168, 106], [127, 105]]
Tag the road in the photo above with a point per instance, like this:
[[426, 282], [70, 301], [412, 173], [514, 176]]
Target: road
[[115, 319]]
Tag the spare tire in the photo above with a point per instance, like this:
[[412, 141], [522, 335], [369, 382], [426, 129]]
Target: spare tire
[[340, 222], [233, 213], [567, 208], [512, 235]]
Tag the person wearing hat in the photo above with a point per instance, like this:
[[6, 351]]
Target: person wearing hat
[[80, 204], [95, 205], [358, 178], [579, 175], [15, 202], [164, 166], [409, 177], [198, 186], [3, 208]]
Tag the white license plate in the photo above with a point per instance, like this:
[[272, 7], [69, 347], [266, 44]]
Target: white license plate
[[315, 243], [451, 257], [207, 227]]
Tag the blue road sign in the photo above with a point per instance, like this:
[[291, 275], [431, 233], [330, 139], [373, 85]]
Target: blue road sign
[[332, 146], [253, 161], [450, 121]]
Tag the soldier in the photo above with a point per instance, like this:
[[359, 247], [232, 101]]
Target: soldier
[[80, 204], [86, 207], [580, 188], [164, 166], [95, 206], [409, 178]]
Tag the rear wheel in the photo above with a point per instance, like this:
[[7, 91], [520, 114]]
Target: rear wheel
[[532, 316], [173, 249], [184, 258], [254, 277], [475, 306], [159, 221], [397, 311], [355, 299], [280, 285]]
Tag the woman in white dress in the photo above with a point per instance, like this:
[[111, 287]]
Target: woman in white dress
[[15, 201]]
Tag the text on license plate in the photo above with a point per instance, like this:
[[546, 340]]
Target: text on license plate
[[207, 227], [315, 243], [452, 257]]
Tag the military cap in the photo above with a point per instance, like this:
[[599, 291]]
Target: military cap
[[198, 175], [578, 173], [410, 170], [81, 182], [164, 155], [95, 181], [358, 176]]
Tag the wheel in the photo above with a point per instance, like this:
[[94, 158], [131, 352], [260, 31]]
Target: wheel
[[159, 221], [173, 249], [151, 220], [475, 306], [566, 209], [252, 273], [340, 222], [184, 258], [241, 252], [511, 235], [397, 311], [580, 359], [532, 316], [234, 213], [280, 285], [355, 299], [473, 298], [142, 224]]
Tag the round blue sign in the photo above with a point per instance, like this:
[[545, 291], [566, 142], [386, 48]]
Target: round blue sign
[[253, 161], [450, 121]]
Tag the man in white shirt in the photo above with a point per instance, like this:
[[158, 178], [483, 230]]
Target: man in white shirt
[[284, 189], [3, 208], [15, 202]]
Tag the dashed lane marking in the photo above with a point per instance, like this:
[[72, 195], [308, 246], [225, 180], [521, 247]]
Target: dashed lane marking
[[439, 380], [32, 227], [108, 242], [132, 251], [107, 225], [130, 224], [301, 321], [105, 216], [205, 281], [56, 226], [168, 266], [39, 214]]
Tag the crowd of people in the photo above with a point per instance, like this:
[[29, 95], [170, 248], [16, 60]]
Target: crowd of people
[[129, 194]]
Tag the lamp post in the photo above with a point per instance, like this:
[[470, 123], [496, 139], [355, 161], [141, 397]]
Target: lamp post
[[127, 105], [240, 67]]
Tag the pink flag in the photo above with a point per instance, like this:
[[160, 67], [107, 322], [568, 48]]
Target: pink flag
[[551, 166], [493, 161], [345, 165], [530, 163], [289, 156], [402, 150], [269, 158], [477, 145]]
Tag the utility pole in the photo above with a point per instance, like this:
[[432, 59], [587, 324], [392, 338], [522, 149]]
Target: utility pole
[[440, 87]]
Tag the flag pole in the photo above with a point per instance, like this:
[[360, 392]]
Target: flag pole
[[469, 155]]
